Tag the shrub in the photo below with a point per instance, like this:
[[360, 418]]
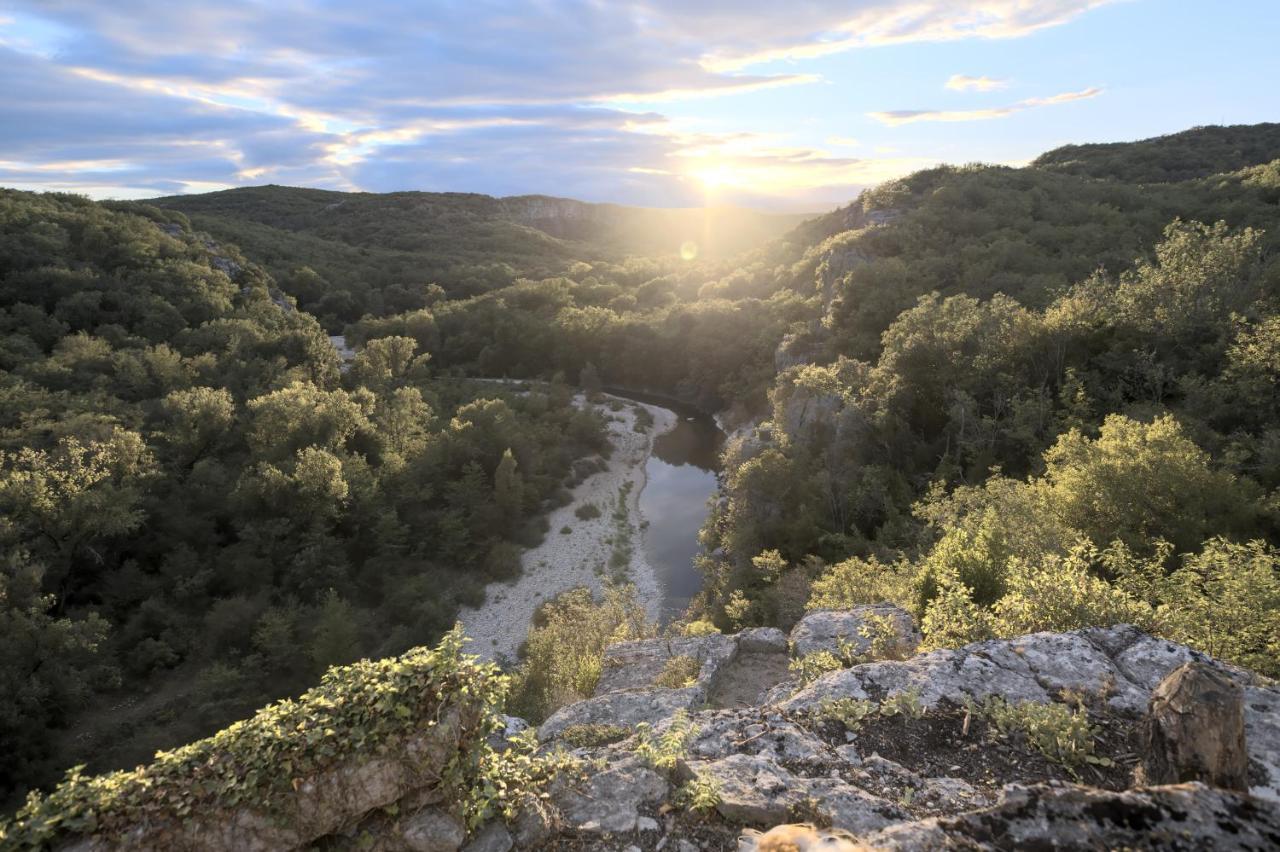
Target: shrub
[[1062, 735], [587, 511], [850, 712], [565, 648], [1061, 593], [665, 750], [678, 672], [854, 582], [700, 794]]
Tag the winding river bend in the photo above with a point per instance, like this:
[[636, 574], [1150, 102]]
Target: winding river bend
[[681, 477]]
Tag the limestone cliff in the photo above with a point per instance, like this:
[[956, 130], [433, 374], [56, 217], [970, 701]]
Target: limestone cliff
[[689, 742]]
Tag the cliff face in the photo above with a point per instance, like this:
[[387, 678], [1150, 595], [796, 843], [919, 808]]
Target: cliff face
[[691, 743], [946, 749]]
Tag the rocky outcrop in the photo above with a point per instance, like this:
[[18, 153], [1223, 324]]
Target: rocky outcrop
[[627, 693], [921, 779], [1118, 666], [1189, 817], [884, 626], [896, 753]]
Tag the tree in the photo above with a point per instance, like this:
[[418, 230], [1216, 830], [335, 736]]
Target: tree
[[335, 639], [303, 415], [1138, 482], [49, 668], [589, 379], [197, 419], [66, 502], [508, 491]]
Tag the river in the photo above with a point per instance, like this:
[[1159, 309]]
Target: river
[[681, 477]]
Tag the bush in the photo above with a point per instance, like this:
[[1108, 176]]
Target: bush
[[1062, 735], [678, 672], [564, 652], [587, 511]]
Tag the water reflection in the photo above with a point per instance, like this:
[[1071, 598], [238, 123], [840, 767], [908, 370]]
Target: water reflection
[[681, 477]]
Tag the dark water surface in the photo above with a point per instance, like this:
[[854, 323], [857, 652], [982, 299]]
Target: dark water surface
[[681, 477]]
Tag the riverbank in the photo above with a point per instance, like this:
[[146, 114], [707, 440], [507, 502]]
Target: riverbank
[[592, 550]]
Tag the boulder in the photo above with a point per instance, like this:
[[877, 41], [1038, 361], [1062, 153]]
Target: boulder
[[433, 830], [624, 709], [636, 665], [626, 695], [828, 630], [762, 640], [1194, 730]]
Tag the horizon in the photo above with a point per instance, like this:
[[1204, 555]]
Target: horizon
[[639, 104]]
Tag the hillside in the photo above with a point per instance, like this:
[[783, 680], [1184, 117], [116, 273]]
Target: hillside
[[988, 401], [368, 248], [1195, 153]]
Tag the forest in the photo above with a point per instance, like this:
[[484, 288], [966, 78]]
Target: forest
[[1009, 399]]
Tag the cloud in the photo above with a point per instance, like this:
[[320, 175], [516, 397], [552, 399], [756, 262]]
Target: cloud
[[460, 94], [893, 118], [965, 83]]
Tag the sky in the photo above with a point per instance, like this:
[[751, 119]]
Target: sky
[[792, 105]]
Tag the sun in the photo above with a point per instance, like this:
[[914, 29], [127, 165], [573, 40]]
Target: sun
[[716, 176]]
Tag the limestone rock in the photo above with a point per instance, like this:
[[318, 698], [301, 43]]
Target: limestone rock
[[757, 790], [1183, 818], [1194, 730], [1119, 666], [826, 630], [625, 694], [494, 837], [626, 709], [762, 640], [636, 665], [433, 830], [608, 801]]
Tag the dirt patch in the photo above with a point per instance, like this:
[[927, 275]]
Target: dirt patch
[[939, 745], [744, 682]]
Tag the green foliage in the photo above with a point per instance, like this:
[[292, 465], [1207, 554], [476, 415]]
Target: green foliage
[[849, 712], [587, 512], [505, 781], [678, 672], [50, 669], [663, 751], [591, 735], [356, 711], [563, 655], [855, 582], [1224, 600], [905, 703], [1199, 152], [182, 457], [810, 667], [700, 794], [1066, 593], [1064, 736]]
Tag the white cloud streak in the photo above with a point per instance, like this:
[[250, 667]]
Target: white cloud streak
[[894, 118]]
